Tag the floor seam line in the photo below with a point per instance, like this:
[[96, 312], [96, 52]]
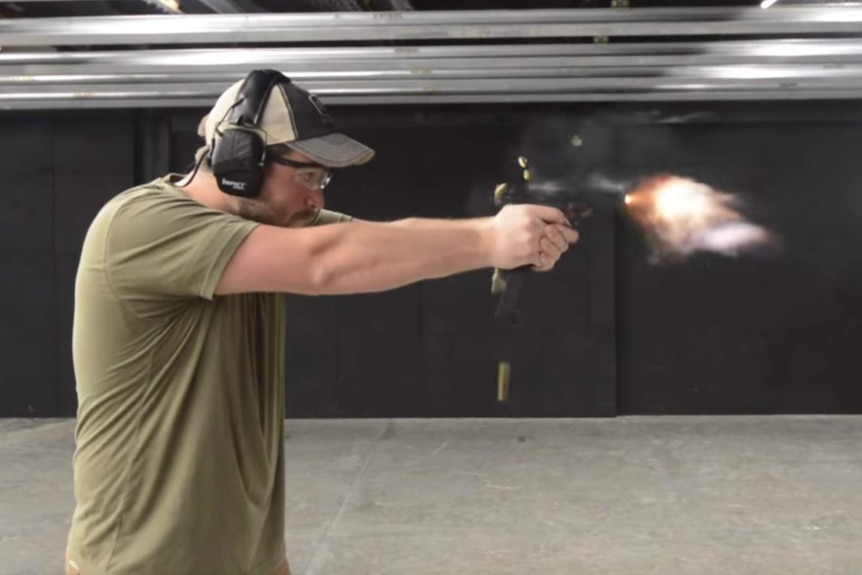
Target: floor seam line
[[311, 568]]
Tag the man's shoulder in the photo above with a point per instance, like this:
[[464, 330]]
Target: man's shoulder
[[156, 239], [158, 192], [153, 193], [143, 213], [157, 205]]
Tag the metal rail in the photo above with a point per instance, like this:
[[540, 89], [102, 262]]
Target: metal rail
[[428, 59], [467, 90], [654, 68], [221, 29], [365, 81]]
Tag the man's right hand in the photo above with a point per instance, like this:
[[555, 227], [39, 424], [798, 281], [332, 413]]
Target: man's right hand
[[530, 235]]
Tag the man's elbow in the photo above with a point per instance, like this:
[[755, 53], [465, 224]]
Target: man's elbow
[[319, 280]]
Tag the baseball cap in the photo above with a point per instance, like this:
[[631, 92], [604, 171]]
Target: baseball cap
[[296, 118]]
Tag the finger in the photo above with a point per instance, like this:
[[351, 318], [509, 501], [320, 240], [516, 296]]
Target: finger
[[549, 249], [549, 214], [571, 235], [547, 256], [546, 263], [554, 234], [536, 257], [541, 265]]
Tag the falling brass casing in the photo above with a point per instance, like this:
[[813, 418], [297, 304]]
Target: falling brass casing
[[499, 192], [503, 373], [498, 282]]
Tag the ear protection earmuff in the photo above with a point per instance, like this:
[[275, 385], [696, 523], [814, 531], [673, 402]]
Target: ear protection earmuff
[[238, 156]]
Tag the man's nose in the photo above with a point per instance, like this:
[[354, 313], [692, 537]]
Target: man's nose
[[315, 200]]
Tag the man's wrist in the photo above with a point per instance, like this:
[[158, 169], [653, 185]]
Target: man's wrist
[[486, 239], [477, 237]]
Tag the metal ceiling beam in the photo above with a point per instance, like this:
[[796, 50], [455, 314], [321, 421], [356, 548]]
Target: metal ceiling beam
[[657, 70], [686, 85], [687, 79], [486, 25], [761, 69], [790, 77], [135, 99], [365, 80], [428, 60]]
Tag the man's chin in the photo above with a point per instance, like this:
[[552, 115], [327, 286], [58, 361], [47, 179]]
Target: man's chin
[[300, 220]]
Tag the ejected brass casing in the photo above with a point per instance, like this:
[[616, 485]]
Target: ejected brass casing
[[503, 371], [499, 192], [522, 161], [498, 283]]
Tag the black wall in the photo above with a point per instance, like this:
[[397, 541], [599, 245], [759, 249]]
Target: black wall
[[718, 335], [605, 333], [56, 171]]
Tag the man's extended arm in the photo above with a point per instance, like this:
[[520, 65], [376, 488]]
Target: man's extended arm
[[358, 257]]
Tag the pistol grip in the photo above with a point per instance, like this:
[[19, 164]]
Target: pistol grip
[[507, 306]]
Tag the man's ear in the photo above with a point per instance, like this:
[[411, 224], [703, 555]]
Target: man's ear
[[202, 127]]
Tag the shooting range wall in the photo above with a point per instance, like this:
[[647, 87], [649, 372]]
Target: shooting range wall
[[760, 103], [604, 334]]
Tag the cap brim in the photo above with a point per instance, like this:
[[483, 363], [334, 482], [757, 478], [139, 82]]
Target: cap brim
[[333, 150]]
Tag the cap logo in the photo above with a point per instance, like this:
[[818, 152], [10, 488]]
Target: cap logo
[[318, 105]]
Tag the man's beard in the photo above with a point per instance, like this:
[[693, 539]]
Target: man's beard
[[259, 212]]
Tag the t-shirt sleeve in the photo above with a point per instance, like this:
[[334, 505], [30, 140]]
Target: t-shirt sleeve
[[170, 247]]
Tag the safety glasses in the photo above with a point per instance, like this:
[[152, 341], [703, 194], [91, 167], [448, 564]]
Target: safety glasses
[[312, 176]]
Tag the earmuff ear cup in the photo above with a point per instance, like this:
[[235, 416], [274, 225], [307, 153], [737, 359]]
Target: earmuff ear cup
[[237, 162]]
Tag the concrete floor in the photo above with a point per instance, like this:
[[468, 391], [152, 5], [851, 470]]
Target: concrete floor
[[628, 496]]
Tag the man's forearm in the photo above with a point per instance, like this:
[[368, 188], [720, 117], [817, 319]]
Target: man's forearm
[[359, 257], [371, 257]]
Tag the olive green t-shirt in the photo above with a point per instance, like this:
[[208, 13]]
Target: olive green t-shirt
[[178, 464]]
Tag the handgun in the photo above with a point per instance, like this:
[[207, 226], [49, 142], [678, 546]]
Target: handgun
[[677, 215], [576, 196]]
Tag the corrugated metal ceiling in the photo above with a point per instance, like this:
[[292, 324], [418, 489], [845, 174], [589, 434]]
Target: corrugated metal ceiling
[[152, 53]]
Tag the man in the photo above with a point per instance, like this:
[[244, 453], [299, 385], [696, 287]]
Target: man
[[179, 336]]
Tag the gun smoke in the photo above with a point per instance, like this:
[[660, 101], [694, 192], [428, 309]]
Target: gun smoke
[[678, 216]]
